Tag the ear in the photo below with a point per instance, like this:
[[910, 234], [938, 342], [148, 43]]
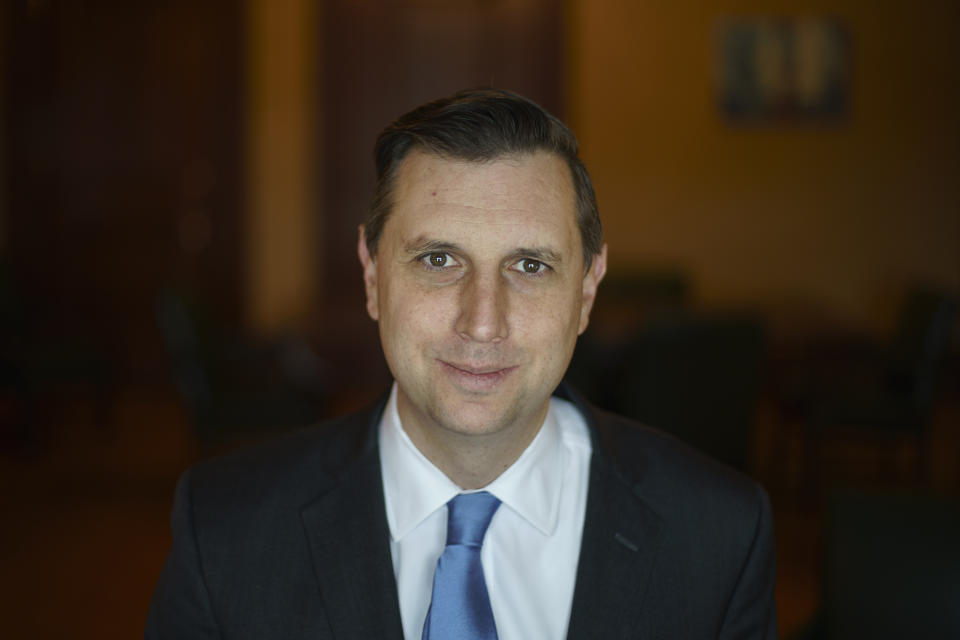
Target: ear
[[590, 283], [369, 274]]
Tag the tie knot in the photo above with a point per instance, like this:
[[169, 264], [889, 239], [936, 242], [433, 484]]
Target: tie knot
[[468, 516]]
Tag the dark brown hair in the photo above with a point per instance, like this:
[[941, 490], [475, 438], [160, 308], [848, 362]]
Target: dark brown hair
[[478, 125]]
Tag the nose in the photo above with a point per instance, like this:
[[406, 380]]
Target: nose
[[483, 309]]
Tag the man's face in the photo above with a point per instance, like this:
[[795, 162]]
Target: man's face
[[480, 290]]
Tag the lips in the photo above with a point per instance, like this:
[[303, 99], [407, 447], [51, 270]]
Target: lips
[[476, 370], [476, 378]]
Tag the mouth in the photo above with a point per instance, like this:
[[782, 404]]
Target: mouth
[[476, 378]]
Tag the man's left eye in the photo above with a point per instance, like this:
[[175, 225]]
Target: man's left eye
[[531, 266]]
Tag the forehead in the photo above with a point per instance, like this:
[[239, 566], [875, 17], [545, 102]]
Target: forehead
[[525, 198]]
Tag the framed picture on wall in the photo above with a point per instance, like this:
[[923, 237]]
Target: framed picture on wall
[[783, 69]]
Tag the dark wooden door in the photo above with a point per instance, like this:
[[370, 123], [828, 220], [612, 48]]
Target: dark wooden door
[[122, 160], [380, 59]]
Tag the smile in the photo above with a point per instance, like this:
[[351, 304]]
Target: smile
[[476, 379]]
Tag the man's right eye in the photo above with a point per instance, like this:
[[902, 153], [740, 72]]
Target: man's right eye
[[438, 260]]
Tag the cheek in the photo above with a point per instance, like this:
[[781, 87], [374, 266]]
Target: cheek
[[549, 321], [413, 314]]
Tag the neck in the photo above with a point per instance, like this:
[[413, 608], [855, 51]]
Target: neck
[[472, 461]]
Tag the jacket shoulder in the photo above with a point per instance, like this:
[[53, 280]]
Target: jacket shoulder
[[286, 471], [670, 475]]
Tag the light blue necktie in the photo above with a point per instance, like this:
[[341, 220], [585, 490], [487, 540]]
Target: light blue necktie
[[460, 606]]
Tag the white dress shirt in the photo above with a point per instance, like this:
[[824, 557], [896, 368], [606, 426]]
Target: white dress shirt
[[532, 546]]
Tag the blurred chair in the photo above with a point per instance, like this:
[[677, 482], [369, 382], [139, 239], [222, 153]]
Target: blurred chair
[[891, 570], [696, 377], [234, 389], [880, 401], [626, 304]]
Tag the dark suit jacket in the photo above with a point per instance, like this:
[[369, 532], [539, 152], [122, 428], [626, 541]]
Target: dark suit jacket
[[290, 540]]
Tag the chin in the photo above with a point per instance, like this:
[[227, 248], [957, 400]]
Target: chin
[[478, 416]]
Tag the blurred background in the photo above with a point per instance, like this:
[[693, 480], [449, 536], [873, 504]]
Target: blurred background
[[180, 185]]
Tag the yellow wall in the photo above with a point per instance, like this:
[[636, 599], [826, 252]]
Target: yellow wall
[[281, 163], [840, 217]]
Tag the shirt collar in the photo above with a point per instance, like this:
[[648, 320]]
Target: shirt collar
[[414, 488]]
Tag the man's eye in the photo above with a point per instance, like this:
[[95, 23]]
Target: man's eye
[[438, 260], [531, 266]]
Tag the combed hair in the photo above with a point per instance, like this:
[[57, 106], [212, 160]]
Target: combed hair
[[479, 125]]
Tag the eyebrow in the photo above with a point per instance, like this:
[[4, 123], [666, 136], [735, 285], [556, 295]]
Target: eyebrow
[[541, 254], [425, 245], [422, 245]]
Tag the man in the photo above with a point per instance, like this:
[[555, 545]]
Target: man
[[481, 498]]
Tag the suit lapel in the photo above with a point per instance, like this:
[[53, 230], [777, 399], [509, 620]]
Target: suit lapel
[[349, 545], [621, 541], [621, 538]]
